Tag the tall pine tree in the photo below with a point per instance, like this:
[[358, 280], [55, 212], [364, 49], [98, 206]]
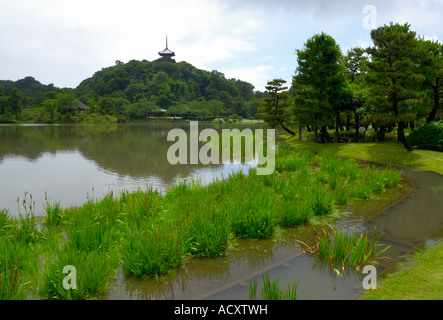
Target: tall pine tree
[[394, 76], [320, 76]]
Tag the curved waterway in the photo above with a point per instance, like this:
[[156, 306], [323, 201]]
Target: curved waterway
[[406, 217]]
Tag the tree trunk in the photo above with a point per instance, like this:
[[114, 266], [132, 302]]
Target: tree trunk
[[324, 135], [292, 133], [337, 124], [402, 137], [381, 133], [434, 110], [348, 122], [300, 130], [357, 125]]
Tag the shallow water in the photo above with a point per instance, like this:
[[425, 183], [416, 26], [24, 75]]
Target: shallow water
[[71, 163]]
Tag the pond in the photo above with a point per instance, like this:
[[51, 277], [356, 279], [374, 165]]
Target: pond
[[71, 163]]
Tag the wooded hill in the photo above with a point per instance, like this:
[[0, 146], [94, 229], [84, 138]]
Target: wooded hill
[[131, 91]]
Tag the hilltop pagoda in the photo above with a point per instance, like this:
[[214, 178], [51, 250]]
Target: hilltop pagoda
[[166, 55]]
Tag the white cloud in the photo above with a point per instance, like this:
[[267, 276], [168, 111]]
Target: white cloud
[[259, 75], [64, 42]]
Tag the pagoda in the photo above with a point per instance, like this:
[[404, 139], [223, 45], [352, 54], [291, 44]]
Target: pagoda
[[166, 55]]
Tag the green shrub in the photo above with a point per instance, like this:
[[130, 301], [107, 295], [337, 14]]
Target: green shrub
[[428, 137]]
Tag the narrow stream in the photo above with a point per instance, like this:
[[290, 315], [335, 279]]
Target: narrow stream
[[414, 217]]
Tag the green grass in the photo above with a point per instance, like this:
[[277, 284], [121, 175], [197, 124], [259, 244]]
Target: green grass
[[392, 153], [347, 249], [271, 290], [420, 278]]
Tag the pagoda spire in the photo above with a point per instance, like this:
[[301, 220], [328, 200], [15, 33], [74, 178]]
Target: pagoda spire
[[166, 55]]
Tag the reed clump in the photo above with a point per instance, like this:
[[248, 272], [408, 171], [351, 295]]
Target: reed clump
[[271, 289], [348, 248]]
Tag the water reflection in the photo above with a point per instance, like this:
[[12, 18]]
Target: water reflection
[[67, 161]]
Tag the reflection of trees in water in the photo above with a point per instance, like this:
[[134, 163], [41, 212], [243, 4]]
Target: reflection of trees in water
[[31, 142], [136, 150]]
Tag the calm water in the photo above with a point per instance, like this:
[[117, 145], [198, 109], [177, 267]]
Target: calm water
[[70, 163]]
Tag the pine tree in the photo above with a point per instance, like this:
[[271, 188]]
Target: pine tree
[[394, 76], [275, 108], [430, 56], [320, 77]]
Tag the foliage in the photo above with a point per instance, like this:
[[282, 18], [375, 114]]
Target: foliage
[[346, 248], [272, 291], [428, 137], [275, 108], [132, 91], [393, 77], [320, 88]]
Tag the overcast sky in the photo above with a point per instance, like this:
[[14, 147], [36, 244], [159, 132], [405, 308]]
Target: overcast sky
[[65, 41]]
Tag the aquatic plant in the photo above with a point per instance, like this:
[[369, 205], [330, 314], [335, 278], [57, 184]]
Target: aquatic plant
[[5, 221], [53, 214], [209, 231], [154, 250], [26, 228], [294, 213], [346, 248], [11, 284], [94, 270], [272, 291]]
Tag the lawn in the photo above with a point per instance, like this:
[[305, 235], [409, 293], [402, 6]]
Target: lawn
[[413, 279], [384, 152]]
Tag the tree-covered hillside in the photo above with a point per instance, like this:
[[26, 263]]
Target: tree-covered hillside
[[130, 91]]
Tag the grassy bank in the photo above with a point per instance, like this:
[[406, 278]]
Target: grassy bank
[[146, 234], [392, 153], [420, 279]]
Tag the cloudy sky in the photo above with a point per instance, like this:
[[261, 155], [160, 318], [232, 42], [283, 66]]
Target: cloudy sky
[[65, 41]]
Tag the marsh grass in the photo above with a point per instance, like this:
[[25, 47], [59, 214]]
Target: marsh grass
[[271, 289], [253, 212], [5, 221], [93, 269], [11, 284], [13, 259], [348, 248], [150, 233], [54, 212], [27, 229], [209, 231], [154, 250]]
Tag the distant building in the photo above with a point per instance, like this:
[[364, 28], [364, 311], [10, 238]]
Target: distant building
[[166, 55]]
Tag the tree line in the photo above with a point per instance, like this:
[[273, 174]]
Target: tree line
[[131, 91], [393, 84]]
